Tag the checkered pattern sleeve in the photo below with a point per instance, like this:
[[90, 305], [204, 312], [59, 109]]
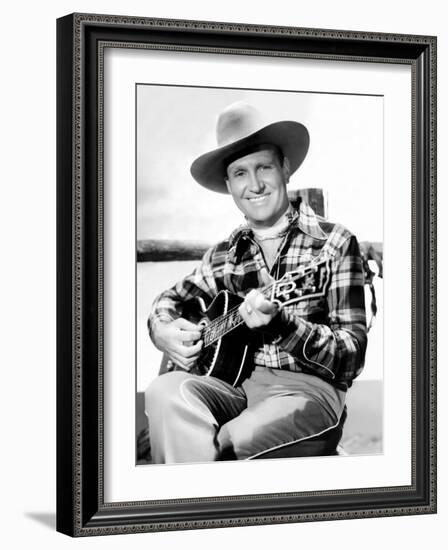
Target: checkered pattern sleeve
[[334, 350], [200, 283]]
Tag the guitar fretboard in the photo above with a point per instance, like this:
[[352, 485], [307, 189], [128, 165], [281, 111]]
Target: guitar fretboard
[[221, 326]]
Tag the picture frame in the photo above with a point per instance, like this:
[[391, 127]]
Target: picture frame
[[81, 506]]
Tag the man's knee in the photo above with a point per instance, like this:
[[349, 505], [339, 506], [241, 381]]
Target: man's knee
[[233, 438], [260, 429], [164, 389]]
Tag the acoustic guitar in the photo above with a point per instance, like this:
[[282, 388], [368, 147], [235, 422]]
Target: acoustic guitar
[[226, 337]]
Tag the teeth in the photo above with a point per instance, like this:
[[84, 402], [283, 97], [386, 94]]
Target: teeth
[[258, 199]]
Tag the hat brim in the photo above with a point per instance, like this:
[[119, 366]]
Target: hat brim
[[292, 138]]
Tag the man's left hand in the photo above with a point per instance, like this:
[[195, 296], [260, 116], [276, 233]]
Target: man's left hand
[[256, 310]]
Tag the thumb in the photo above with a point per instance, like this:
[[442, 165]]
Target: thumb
[[265, 306]]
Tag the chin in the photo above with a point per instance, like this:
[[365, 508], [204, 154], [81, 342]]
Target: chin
[[262, 221]]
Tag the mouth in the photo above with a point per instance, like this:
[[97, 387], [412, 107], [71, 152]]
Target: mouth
[[258, 199]]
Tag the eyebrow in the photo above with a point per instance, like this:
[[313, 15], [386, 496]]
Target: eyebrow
[[236, 168], [242, 167]]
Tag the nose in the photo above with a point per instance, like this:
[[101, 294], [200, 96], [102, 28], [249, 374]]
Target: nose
[[256, 184]]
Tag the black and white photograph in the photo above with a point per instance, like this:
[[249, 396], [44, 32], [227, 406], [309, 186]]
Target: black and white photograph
[[259, 274]]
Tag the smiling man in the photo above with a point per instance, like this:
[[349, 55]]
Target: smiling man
[[257, 185], [300, 356]]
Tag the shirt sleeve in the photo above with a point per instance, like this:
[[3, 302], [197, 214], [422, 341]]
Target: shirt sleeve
[[335, 349], [200, 283]]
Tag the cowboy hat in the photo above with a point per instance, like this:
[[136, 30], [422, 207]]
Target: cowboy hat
[[239, 128]]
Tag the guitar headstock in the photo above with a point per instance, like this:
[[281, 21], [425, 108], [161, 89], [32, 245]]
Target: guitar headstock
[[302, 283]]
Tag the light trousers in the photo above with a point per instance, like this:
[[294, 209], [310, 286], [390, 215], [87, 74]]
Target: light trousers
[[200, 418]]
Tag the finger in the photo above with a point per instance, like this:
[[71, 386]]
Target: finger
[[252, 293], [182, 362], [242, 310], [253, 296], [187, 325], [181, 366], [266, 307], [246, 316], [249, 301], [190, 351], [257, 317], [257, 320], [190, 336], [257, 302]]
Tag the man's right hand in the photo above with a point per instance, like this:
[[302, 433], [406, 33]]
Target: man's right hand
[[179, 339]]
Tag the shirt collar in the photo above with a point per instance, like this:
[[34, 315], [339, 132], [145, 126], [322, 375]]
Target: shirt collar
[[304, 218], [308, 222]]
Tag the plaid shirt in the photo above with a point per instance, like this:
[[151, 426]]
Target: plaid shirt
[[323, 336]]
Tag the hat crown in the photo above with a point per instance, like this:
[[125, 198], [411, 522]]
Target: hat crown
[[236, 122], [240, 127]]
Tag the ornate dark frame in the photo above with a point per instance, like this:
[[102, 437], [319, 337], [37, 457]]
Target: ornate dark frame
[[81, 39]]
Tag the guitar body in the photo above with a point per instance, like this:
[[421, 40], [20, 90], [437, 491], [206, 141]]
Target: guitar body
[[225, 353], [228, 357]]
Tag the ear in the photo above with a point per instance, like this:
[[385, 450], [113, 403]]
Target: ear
[[228, 185], [286, 168]]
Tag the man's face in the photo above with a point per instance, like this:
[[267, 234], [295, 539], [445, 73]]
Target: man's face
[[257, 183]]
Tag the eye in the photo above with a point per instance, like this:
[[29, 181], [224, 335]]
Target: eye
[[238, 174], [266, 167]]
